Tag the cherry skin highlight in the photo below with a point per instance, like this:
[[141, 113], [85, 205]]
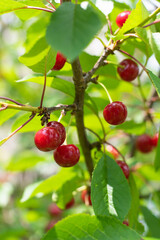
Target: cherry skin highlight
[[115, 113], [144, 143], [124, 168], [47, 139], [54, 210], [122, 17], [155, 140], [67, 155], [60, 129], [60, 61], [130, 70], [86, 197]]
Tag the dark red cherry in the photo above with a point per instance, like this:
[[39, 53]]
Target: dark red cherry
[[47, 139], [67, 155], [54, 210], [144, 143], [122, 17], [124, 168], [60, 61], [86, 197], [155, 140], [115, 113], [130, 70], [70, 203], [60, 128]]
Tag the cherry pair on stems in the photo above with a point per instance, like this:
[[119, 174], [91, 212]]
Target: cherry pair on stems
[[51, 138]]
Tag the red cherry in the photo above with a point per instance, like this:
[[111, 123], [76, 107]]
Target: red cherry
[[67, 155], [155, 140], [122, 17], [126, 222], [86, 197], [60, 61], [47, 139], [60, 129], [50, 225], [124, 168], [115, 113], [130, 70], [144, 143], [70, 203], [54, 210], [113, 151]]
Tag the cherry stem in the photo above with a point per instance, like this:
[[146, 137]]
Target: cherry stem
[[114, 63], [13, 133], [67, 130], [94, 133], [110, 99], [152, 23], [11, 100], [37, 8], [116, 150], [44, 86], [104, 45], [109, 24], [3, 108], [51, 4]]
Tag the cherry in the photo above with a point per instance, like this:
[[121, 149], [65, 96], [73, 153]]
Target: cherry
[[50, 225], [113, 151], [155, 140], [47, 139], [122, 17], [144, 143], [70, 204], [125, 222], [124, 168], [86, 197], [130, 70], [67, 155], [60, 61], [115, 113], [60, 129], [54, 210]]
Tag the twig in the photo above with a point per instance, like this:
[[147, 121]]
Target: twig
[[44, 85], [51, 4], [11, 100], [152, 23], [3, 108]]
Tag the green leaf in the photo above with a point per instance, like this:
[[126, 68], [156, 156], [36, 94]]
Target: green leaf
[[137, 16], [7, 114], [155, 80], [52, 184], [73, 27], [110, 191], [86, 227], [152, 221], [134, 210], [132, 127], [155, 45], [145, 36], [24, 161], [9, 6], [39, 57], [157, 160]]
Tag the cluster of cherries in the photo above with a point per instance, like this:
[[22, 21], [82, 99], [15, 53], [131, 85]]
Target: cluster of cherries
[[146, 143], [51, 138]]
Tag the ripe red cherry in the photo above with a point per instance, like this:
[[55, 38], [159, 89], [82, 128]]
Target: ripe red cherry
[[115, 113], [124, 168], [70, 204], [113, 151], [155, 140], [122, 17], [125, 222], [60, 129], [144, 143], [60, 61], [54, 210], [67, 155], [47, 139], [130, 70], [86, 197]]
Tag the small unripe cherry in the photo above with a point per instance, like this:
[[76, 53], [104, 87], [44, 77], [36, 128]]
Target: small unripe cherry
[[113, 151], [115, 113], [67, 155], [122, 17], [54, 210], [60, 61], [60, 128], [47, 139], [130, 70], [155, 140], [144, 143], [86, 197], [125, 222], [70, 204], [124, 168]]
